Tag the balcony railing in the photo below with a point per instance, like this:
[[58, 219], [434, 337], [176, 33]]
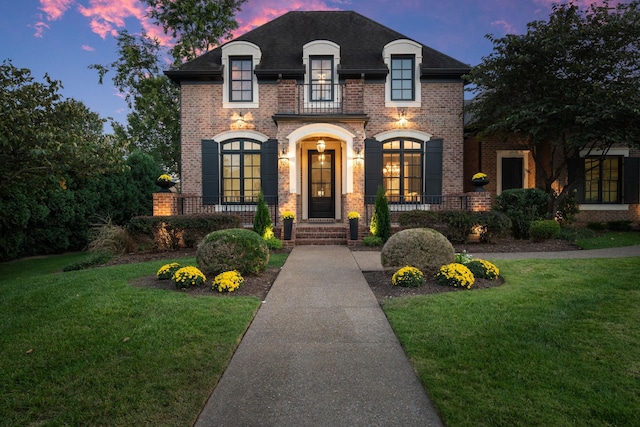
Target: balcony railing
[[422, 202], [319, 98], [245, 207]]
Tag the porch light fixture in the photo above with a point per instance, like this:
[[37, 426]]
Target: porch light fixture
[[283, 157], [358, 159], [402, 118], [320, 146]]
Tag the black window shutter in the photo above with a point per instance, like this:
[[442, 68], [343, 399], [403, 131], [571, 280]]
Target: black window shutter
[[269, 168], [210, 172], [372, 168], [631, 180], [575, 173], [433, 168]]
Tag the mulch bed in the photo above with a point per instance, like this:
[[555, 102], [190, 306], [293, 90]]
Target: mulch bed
[[379, 281]]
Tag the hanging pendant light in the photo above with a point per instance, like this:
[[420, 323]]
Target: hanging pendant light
[[320, 146]]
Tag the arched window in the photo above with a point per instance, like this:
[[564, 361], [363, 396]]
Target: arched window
[[240, 171], [402, 170]]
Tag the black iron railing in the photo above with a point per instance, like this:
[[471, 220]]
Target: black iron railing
[[319, 98], [422, 202], [243, 206]]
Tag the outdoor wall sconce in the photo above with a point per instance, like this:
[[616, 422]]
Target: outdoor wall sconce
[[283, 157], [358, 159], [402, 117], [320, 146]]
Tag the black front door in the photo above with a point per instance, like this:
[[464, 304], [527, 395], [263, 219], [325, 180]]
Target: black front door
[[512, 173], [321, 184]]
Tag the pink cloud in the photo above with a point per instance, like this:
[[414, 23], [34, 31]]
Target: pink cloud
[[54, 9], [87, 48], [508, 28], [256, 13], [40, 26]]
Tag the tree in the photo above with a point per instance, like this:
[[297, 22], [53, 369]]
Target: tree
[[262, 220], [569, 85], [154, 122], [381, 220], [44, 138]]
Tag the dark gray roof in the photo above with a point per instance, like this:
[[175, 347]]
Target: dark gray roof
[[361, 42]]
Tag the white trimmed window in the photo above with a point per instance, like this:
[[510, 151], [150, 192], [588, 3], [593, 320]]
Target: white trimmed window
[[321, 59], [239, 59], [403, 59]]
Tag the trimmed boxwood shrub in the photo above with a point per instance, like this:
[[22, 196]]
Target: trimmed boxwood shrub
[[172, 232], [493, 224], [523, 205], [544, 229], [233, 249], [423, 248]]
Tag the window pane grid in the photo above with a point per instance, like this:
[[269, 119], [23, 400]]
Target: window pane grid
[[241, 86], [402, 171], [602, 180], [402, 79], [241, 171]]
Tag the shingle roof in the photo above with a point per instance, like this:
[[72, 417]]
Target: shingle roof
[[361, 42]]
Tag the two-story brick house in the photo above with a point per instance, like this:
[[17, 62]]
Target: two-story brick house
[[318, 109]]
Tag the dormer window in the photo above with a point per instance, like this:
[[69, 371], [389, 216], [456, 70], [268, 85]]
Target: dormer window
[[403, 58], [240, 75], [239, 58], [321, 72], [402, 77]]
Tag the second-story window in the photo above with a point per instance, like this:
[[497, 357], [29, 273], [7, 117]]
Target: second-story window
[[241, 88], [402, 78], [321, 78]]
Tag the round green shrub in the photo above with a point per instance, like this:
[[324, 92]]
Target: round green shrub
[[232, 249], [483, 269], [522, 205], [493, 224], [544, 229], [408, 277], [423, 248], [456, 275]]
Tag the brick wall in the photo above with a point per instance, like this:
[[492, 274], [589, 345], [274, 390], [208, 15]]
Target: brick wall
[[165, 204]]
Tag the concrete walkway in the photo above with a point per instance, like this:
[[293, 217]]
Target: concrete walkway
[[320, 352]]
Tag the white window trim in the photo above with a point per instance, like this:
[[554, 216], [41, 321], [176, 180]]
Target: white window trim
[[613, 152], [240, 48], [403, 47], [320, 48], [524, 154]]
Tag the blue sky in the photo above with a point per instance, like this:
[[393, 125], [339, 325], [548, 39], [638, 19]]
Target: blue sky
[[63, 37]]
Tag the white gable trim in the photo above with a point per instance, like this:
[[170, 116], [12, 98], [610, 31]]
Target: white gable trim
[[407, 133], [320, 130], [240, 134]]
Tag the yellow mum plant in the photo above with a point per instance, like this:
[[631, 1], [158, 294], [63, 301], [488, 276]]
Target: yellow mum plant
[[166, 271], [456, 275], [228, 281], [353, 215], [164, 177], [479, 177], [408, 277], [288, 215], [483, 269], [188, 276]]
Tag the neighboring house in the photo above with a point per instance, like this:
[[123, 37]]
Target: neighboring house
[[608, 189], [318, 109]]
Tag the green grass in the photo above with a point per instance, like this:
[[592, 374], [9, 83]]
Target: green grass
[[611, 239], [86, 348], [557, 345]]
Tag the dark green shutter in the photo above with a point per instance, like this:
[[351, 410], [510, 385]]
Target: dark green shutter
[[631, 183], [433, 168], [372, 168], [575, 174], [269, 168], [210, 173]]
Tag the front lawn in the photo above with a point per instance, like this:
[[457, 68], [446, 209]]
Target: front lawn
[[86, 348], [610, 239], [556, 345]]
